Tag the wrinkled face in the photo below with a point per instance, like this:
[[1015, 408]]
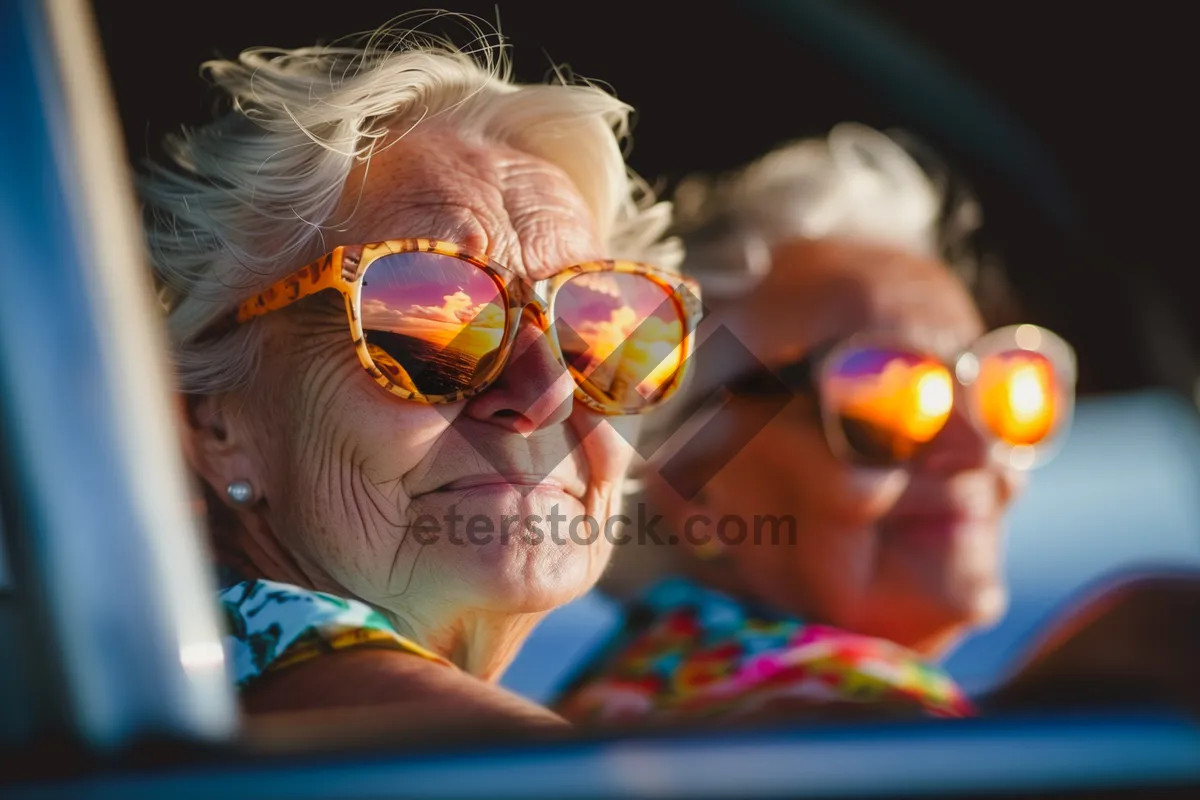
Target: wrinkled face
[[425, 510], [912, 555]]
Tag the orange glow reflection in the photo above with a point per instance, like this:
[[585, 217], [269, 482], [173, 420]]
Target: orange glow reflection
[[625, 347], [909, 400], [1016, 395]]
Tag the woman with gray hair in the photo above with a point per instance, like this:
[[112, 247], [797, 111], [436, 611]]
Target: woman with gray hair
[[835, 490], [412, 305]]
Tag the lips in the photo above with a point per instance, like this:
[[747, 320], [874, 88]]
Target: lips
[[932, 520], [942, 519], [969, 497]]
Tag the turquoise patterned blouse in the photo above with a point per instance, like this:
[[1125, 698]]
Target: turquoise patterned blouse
[[272, 625]]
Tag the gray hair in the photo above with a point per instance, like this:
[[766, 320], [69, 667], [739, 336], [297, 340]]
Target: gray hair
[[857, 183], [250, 195]]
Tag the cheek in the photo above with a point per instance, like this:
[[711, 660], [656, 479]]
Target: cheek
[[609, 446], [787, 468], [1012, 486], [348, 444], [788, 471]]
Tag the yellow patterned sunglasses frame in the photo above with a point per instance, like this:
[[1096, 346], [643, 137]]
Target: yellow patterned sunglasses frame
[[343, 269]]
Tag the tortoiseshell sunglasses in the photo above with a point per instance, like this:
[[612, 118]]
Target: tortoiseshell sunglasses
[[435, 323]]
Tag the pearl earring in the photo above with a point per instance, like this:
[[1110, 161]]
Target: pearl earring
[[240, 492]]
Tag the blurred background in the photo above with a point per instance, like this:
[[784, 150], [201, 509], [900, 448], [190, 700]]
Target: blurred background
[[1066, 119]]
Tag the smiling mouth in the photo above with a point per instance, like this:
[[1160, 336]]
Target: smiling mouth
[[496, 481], [938, 521]]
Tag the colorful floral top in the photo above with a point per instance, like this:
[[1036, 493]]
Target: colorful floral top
[[275, 625], [688, 652]]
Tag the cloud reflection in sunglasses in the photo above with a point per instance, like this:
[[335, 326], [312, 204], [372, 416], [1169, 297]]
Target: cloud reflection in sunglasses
[[457, 333]]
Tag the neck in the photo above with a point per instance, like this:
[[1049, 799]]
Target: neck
[[250, 548], [482, 644]]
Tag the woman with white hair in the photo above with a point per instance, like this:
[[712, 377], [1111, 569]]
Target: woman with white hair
[[410, 303], [836, 488]]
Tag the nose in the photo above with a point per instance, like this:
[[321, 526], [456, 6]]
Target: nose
[[958, 447], [534, 391]]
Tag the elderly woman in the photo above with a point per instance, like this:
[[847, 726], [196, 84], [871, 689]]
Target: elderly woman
[[838, 524], [412, 306]]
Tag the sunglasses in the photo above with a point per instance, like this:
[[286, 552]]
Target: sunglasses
[[435, 323], [881, 402]]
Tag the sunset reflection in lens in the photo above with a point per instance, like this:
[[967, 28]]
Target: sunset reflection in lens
[[1016, 393], [622, 335], [434, 324], [888, 402]]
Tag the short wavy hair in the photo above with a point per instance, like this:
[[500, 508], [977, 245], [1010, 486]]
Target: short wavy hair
[[856, 183], [250, 195]]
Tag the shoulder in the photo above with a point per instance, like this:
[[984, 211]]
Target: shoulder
[[415, 693], [272, 625]]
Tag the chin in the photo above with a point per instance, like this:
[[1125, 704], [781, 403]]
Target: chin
[[937, 586], [976, 596], [520, 557], [930, 619], [987, 606], [952, 618]]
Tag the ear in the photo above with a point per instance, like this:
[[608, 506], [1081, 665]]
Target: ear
[[215, 443]]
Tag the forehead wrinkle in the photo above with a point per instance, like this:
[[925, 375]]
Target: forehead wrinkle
[[517, 209], [412, 203], [441, 219], [555, 229], [533, 217]]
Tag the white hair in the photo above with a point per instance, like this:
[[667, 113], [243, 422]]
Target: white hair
[[248, 197], [857, 183]]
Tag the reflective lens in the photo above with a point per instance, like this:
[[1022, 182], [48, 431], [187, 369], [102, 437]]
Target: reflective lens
[[622, 337], [1018, 397], [886, 402], [434, 324]]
